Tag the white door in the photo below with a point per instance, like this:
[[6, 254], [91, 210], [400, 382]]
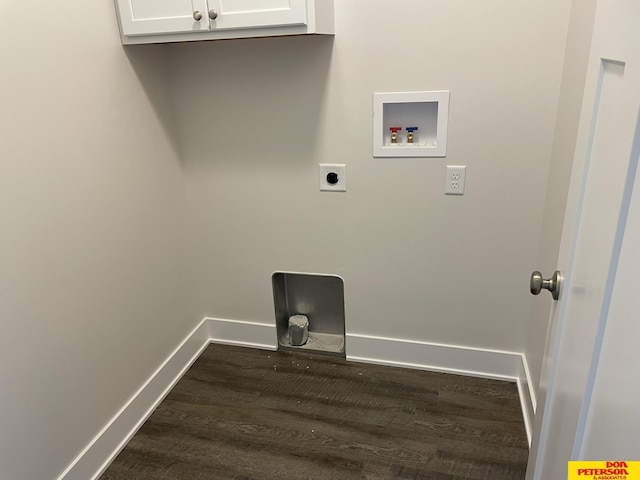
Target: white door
[[596, 220], [237, 14], [148, 17]]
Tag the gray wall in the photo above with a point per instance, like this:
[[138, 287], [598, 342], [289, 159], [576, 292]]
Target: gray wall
[[256, 118], [93, 282]]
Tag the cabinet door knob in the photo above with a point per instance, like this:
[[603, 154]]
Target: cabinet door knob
[[213, 14], [197, 16]]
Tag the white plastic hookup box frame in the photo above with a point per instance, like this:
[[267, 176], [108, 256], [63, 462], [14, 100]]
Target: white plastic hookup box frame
[[429, 111]]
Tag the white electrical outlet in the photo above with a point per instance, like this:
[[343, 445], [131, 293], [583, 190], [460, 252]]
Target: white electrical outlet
[[333, 177], [455, 180]]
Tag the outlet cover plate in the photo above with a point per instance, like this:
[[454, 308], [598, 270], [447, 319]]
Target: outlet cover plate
[[454, 183], [340, 170]]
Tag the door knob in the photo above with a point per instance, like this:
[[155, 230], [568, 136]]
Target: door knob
[[552, 284], [213, 14], [197, 16]]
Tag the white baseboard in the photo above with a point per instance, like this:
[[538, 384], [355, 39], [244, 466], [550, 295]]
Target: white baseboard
[[245, 334], [106, 445], [433, 356], [527, 397], [97, 456]]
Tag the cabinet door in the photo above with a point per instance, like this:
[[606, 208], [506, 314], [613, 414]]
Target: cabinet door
[[236, 14], [146, 17]]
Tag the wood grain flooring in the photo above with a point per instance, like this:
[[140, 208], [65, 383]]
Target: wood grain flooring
[[244, 414]]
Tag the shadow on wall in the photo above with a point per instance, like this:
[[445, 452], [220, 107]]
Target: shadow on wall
[[151, 65], [252, 103]]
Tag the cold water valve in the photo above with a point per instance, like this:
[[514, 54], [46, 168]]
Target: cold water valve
[[410, 131]]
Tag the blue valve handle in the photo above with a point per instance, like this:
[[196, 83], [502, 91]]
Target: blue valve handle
[[411, 129]]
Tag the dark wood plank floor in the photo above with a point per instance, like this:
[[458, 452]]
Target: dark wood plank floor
[[245, 414]]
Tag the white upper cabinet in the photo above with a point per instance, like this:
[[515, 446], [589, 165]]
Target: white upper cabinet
[[147, 17], [155, 21], [257, 13]]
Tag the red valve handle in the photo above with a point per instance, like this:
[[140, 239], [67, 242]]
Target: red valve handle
[[395, 129]]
